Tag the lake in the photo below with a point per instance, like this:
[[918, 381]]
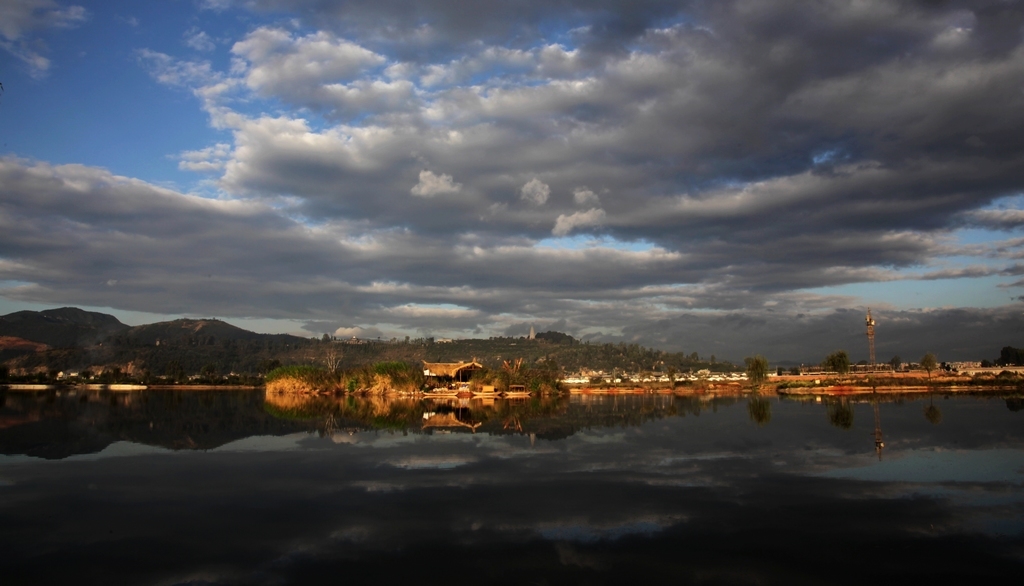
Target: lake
[[230, 487]]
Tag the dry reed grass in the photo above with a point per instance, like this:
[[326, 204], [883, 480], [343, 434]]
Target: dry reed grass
[[289, 386]]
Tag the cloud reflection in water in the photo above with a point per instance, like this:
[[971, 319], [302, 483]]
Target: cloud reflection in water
[[669, 497]]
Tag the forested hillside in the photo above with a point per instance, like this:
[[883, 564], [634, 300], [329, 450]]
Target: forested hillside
[[212, 348], [176, 349], [60, 328], [568, 353]]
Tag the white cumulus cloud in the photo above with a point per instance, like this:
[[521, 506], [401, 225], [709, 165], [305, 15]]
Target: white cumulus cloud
[[357, 332], [168, 70], [567, 223], [536, 191], [19, 18], [199, 40], [284, 66], [209, 159], [431, 185], [583, 196]]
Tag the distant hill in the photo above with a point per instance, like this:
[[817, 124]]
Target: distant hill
[[13, 347], [197, 332], [67, 327], [78, 340], [176, 348], [557, 338], [184, 346]]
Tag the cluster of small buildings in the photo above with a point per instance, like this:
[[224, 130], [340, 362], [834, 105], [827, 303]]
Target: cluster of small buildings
[[705, 375]]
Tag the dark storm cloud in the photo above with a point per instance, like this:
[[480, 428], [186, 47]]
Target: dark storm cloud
[[109, 240], [432, 29], [104, 239], [400, 165], [999, 219], [735, 93]]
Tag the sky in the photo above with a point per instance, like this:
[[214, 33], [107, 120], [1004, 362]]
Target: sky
[[729, 177]]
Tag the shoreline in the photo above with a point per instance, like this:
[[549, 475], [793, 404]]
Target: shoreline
[[35, 387], [823, 388]]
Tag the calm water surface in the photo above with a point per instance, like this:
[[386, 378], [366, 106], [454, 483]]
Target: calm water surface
[[178, 487]]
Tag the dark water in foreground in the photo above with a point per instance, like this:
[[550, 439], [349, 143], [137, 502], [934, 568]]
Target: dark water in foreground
[[208, 487]]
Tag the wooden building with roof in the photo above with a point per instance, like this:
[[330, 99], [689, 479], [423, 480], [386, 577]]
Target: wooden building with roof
[[454, 371]]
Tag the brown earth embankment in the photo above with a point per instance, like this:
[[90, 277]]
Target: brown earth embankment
[[893, 383]]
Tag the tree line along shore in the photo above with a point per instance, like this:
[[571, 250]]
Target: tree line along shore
[[398, 377], [834, 375], [69, 346]]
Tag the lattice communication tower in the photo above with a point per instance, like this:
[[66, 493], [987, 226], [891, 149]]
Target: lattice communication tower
[[870, 322]]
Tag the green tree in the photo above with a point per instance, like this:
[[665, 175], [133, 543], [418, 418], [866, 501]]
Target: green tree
[[269, 365], [175, 371], [837, 361], [1010, 356], [929, 363], [757, 369], [111, 375], [209, 372], [896, 362]]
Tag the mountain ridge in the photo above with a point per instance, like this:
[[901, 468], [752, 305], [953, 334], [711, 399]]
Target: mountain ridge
[[186, 328], [185, 346], [64, 327]]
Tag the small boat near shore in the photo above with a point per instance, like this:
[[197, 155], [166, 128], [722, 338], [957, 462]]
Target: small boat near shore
[[516, 392], [486, 392], [441, 392]]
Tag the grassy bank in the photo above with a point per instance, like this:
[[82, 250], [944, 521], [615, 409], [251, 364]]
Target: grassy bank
[[289, 380], [401, 377], [380, 378]]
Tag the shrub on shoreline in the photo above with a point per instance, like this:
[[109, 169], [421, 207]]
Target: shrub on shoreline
[[301, 380], [379, 378]]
